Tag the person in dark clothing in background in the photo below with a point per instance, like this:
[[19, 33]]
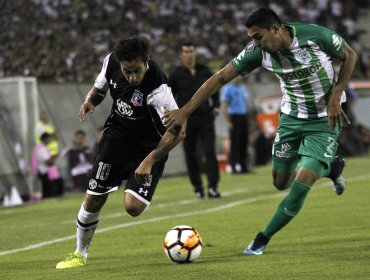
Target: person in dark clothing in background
[[79, 159], [200, 132]]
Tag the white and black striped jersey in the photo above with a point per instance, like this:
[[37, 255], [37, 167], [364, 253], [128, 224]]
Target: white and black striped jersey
[[137, 111], [305, 69]]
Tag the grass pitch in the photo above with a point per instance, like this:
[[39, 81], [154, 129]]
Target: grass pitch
[[329, 239]]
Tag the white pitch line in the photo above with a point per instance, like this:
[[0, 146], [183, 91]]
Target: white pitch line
[[210, 210], [152, 220]]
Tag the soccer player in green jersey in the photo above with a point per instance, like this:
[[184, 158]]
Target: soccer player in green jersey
[[304, 150]]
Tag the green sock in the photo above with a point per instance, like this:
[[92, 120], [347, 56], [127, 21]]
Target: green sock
[[287, 209]]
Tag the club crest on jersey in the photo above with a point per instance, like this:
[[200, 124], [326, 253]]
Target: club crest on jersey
[[305, 55], [137, 98]]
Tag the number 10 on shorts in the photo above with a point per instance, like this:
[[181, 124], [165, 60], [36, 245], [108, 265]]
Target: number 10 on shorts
[[103, 171]]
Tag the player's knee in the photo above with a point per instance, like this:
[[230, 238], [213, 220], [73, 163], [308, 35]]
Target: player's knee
[[280, 185], [133, 206], [133, 211], [281, 182], [93, 203]]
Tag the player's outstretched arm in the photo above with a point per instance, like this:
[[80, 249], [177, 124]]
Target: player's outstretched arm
[[177, 118], [169, 140], [335, 111], [93, 98]]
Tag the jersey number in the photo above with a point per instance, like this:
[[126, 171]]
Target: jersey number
[[103, 171]]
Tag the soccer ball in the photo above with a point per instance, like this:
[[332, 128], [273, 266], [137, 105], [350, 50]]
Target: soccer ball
[[183, 244]]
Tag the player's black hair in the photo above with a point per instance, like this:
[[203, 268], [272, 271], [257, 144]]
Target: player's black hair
[[132, 48], [264, 18]]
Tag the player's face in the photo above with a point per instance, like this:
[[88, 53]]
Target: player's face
[[134, 70], [267, 40], [187, 56]]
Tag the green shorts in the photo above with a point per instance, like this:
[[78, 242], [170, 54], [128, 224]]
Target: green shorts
[[309, 137]]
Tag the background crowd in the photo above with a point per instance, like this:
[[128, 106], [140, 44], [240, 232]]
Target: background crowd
[[65, 40]]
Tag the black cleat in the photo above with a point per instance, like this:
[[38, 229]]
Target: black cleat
[[337, 166]]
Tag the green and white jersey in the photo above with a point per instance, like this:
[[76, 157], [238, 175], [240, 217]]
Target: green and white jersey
[[305, 70]]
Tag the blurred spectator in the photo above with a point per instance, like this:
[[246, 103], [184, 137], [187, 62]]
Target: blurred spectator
[[44, 126], [44, 167], [234, 106], [79, 159], [354, 137], [200, 131], [39, 29], [365, 62], [263, 147], [365, 137]]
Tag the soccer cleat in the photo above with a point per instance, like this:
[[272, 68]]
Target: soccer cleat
[[257, 246], [212, 193], [337, 167], [72, 260]]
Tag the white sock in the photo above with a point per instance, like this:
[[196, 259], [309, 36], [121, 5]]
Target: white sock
[[86, 225]]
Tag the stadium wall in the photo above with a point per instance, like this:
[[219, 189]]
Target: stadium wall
[[62, 102]]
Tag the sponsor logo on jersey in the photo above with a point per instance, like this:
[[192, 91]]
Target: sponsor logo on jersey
[[92, 184], [124, 109], [305, 55], [285, 147], [337, 41], [137, 98], [301, 73]]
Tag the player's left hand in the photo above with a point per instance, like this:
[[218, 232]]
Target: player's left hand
[[174, 120], [142, 173], [336, 115]]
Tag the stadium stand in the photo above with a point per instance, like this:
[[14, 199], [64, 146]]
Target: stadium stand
[[65, 40]]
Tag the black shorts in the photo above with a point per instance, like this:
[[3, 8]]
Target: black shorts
[[117, 161]]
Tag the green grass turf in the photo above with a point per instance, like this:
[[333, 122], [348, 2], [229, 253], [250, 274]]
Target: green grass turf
[[329, 239]]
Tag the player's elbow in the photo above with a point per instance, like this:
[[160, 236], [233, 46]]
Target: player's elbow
[[182, 135], [350, 55]]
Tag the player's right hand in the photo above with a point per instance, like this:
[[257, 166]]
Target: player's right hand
[[84, 109]]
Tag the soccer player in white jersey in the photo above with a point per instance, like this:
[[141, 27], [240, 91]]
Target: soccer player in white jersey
[[304, 150], [135, 143]]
